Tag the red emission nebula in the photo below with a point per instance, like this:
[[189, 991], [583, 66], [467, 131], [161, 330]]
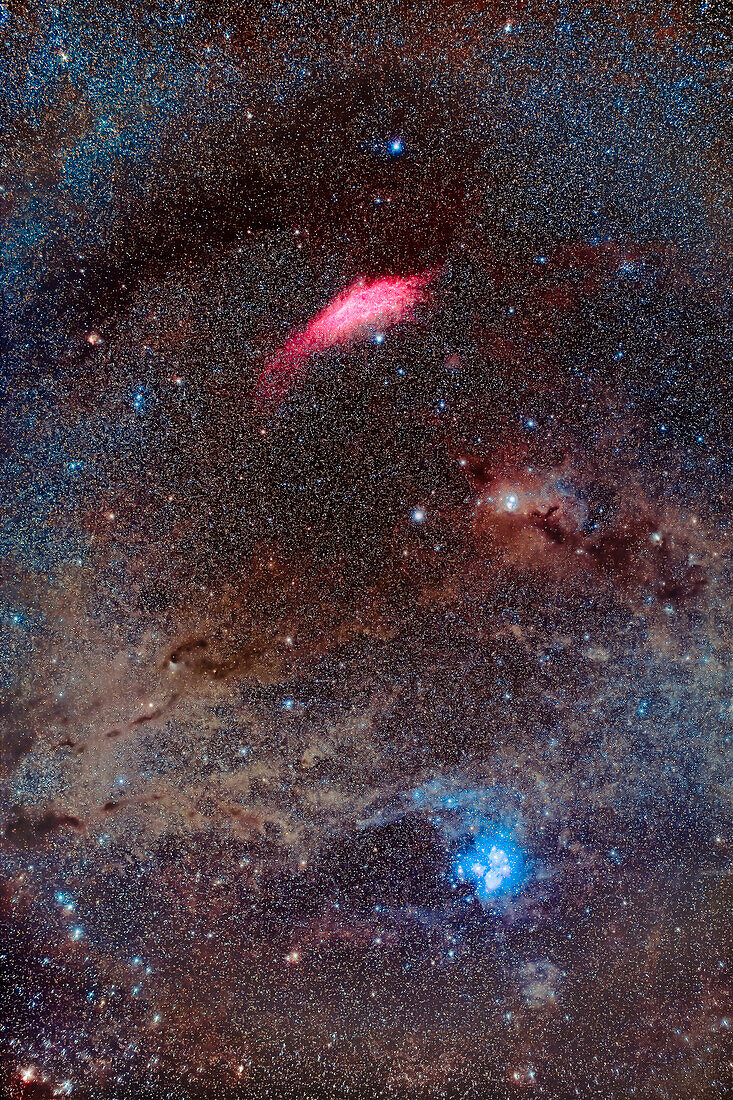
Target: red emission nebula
[[381, 303]]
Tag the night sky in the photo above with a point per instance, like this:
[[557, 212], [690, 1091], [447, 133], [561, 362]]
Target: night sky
[[366, 550]]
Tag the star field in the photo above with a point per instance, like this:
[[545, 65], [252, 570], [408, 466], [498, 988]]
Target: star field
[[365, 541]]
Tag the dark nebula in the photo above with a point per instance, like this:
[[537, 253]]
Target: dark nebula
[[367, 567]]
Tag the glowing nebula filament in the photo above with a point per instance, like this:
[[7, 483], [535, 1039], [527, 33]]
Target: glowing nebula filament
[[364, 305]]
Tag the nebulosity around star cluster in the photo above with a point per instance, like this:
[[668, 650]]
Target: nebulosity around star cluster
[[489, 863], [365, 717]]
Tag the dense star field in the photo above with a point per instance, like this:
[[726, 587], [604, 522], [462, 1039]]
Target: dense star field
[[366, 711]]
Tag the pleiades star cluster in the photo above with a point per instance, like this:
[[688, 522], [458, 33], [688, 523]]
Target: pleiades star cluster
[[366, 580]]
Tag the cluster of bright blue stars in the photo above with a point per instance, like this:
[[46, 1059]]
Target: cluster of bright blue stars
[[490, 864]]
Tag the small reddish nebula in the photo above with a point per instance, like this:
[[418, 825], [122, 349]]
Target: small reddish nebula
[[535, 519], [377, 304]]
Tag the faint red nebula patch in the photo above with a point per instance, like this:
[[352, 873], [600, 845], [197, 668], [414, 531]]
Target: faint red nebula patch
[[534, 519], [374, 305], [537, 521]]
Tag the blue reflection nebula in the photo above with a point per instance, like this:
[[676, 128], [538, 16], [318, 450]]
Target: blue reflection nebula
[[490, 863]]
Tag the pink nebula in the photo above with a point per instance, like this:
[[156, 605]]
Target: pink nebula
[[362, 306]]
